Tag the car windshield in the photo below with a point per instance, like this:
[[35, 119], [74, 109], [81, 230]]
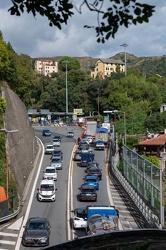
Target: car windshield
[[50, 147], [50, 170], [91, 180], [55, 160], [46, 187], [36, 225], [55, 140], [82, 215], [92, 164], [95, 170], [57, 153]]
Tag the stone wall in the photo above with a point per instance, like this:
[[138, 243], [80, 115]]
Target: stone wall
[[22, 145]]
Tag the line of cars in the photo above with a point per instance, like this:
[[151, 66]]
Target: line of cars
[[37, 229], [94, 219]]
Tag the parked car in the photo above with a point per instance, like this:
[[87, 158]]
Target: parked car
[[57, 137], [57, 163], [49, 149], [92, 181], [80, 218], [57, 154], [36, 232], [56, 143], [46, 191], [46, 132], [87, 193], [100, 145], [50, 173], [95, 172], [85, 158], [77, 155], [70, 134]]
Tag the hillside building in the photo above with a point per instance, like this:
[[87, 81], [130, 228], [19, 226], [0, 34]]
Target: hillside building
[[105, 67], [46, 67]]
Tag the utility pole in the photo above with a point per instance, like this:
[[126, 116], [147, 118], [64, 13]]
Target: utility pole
[[66, 62]]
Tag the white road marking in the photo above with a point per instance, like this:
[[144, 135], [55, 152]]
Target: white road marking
[[8, 234], [7, 242], [16, 225]]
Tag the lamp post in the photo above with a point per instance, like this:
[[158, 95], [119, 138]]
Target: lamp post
[[125, 46], [5, 131], [124, 115], [66, 62], [98, 103]]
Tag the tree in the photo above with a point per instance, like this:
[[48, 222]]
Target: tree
[[109, 16]]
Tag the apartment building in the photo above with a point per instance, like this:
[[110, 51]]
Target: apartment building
[[46, 67], [104, 67]]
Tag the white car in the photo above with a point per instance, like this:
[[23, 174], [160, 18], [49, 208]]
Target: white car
[[56, 143], [80, 218], [50, 173], [49, 149], [46, 191]]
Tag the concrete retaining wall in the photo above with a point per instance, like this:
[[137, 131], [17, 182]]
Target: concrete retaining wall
[[22, 144]]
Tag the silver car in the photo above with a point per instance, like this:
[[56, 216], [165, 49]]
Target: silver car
[[56, 143], [56, 162], [50, 173]]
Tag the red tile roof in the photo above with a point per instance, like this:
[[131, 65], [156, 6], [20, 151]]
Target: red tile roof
[[159, 140]]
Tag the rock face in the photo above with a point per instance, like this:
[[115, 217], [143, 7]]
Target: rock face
[[22, 145]]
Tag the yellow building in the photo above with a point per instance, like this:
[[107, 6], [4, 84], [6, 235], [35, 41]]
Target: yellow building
[[104, 67]]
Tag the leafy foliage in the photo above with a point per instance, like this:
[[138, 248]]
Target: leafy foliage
[[109, 16]]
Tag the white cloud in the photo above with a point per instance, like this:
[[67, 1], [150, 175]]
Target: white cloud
[[34, 36]]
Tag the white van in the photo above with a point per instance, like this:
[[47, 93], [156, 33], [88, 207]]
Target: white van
[[47, 191]]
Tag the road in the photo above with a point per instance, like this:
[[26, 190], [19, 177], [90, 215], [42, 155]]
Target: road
[[56, 211]]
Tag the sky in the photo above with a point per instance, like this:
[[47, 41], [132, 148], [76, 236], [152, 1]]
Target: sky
[[34, 37]]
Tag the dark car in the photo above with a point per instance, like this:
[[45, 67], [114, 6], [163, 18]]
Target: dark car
[[46, 132], [93, 164], [77, 155], [85, 158], [95, 171], [88, 193], [57, 137], [36, 232], [57, 154]]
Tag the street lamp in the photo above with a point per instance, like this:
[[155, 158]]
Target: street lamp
[[5, 131], [125, 46], [124, 113], [66, 62]]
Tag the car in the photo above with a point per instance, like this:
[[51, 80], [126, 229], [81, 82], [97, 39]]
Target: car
[[57, 154], [95, 171], [100, 145], [87, 193], [85, 158], [46, 191], [92, 181], [57, 137], [49, 149], [46, 132], [50, 173], [56, 143], [36, 232], [70, 134], [80, 218], [93, 164], [77, 155], [57, 163]]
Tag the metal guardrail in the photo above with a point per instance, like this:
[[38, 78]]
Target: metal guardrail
[[146, 211], [10, 216]]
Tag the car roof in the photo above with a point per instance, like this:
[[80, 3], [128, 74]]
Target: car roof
[[91, 177], [87, 187], [37, 219], [47, 182], [50, 167]]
